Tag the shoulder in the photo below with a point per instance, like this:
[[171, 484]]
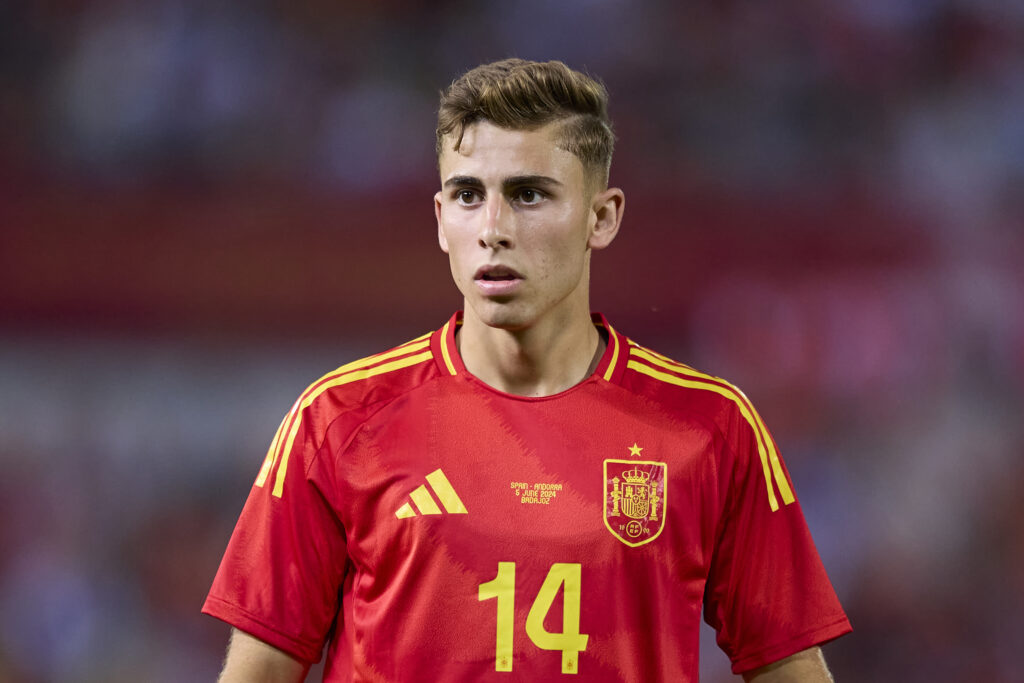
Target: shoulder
[[680, 387], [364, 384], [694, 395], [341, 400]]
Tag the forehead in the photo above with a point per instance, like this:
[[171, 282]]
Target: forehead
[[491, 153]]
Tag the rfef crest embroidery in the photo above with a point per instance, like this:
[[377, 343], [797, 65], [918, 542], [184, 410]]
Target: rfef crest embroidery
[[635, 500]]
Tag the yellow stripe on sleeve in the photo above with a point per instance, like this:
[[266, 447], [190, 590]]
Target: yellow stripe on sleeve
[[274, 452], [417, 344], [345, 378], [741, 399], [268, 462], [727, 393]]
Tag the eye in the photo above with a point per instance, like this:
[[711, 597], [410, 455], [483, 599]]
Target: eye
[[529, 196], [466, 196]]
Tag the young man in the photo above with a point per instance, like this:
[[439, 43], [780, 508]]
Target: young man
[[524, 494]]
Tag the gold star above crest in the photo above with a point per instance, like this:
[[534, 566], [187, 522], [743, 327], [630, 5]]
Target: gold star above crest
[[635, 450]]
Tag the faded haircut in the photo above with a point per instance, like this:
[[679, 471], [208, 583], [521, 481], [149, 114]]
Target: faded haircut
[[516, 94]]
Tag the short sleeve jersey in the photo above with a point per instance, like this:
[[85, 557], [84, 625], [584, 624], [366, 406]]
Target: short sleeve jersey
[[427, 527]]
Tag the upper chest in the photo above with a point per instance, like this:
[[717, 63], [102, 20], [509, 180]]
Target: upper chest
[[598, 470]]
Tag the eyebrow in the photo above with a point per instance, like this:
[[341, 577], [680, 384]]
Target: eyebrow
[[462, 181], [510, 182]]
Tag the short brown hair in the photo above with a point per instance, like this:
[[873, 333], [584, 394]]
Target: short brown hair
[[517, 94]]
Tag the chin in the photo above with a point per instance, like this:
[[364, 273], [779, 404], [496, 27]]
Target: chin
[[502, 316]]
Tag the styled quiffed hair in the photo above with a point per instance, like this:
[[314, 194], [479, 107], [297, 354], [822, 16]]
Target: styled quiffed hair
[[520, 95]]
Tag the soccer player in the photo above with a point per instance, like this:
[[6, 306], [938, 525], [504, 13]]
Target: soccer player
[[525, 493]]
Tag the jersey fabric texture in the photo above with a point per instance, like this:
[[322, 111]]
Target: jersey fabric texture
[[428, 527]]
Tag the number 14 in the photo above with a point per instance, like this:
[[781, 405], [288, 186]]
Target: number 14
[[570, 641]]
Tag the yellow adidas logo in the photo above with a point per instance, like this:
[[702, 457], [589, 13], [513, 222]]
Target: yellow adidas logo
[[425, 502]]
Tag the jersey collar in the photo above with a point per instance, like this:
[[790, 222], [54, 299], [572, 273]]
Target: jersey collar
[[610, 367]]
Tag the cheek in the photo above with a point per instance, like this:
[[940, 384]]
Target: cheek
[[453, 239], [455, 259], [560, 262], [566, 246]]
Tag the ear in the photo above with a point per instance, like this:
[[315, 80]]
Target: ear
[[607, 207], [441, 239]]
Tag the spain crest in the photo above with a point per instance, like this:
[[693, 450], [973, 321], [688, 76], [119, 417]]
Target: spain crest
[[635, 500]]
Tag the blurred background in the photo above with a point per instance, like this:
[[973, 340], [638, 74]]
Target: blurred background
[[206, 205]]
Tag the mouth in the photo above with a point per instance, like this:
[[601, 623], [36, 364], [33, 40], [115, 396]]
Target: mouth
[[498, 283], [496, 274]]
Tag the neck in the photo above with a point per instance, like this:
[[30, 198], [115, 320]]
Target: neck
[[536, 361]]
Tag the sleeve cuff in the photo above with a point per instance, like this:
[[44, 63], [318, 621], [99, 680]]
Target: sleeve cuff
[[229, 613], [773, 653]]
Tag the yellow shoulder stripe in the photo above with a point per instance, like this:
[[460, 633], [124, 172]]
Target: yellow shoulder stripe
[[691, 378], [352, 372], [268, 462], [615, 354], [444, 348]]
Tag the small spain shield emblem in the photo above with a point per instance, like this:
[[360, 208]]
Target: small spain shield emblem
[[635, 500]]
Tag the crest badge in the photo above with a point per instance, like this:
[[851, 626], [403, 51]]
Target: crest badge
[[634, 500]]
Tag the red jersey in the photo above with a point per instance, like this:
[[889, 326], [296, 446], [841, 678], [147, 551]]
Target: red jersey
[[429, 527]]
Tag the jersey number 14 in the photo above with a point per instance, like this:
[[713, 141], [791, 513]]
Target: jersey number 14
[[570, 641]]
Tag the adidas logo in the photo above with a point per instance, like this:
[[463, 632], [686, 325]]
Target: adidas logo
[[425, 502]]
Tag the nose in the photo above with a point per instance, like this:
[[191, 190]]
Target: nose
[[495, 232]]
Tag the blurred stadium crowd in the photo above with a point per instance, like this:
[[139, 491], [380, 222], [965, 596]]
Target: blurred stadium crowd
[[827, 208]]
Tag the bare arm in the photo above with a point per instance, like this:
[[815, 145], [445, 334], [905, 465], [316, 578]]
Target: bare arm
[[807, 666], [250, 660]]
